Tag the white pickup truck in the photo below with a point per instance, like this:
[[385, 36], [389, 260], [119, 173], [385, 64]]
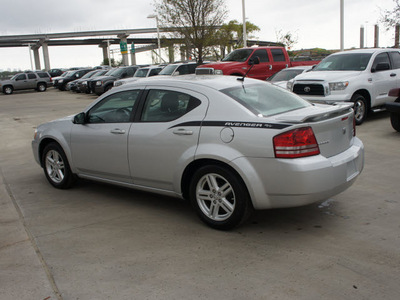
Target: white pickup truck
[[363, 77]]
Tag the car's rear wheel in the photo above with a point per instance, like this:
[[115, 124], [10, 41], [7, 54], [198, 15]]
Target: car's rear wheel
[[41, 87], [360, 108], [395, 120], [219, 197], [56, 167], [8, 90]]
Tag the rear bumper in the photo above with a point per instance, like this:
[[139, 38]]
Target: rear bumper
[[278, 183]]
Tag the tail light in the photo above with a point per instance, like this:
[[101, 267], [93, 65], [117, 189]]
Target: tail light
[[300, 142]]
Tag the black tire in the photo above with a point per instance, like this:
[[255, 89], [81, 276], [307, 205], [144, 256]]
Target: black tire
[[107, 88], [41, 87], [360, 108], [56, 167], [395, 120], [8, 90], [219, 209]]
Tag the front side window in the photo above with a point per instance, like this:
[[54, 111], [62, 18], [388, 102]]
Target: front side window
[[265, 99], [262, 55], [116, 108], [382, 58], [165, 106], [20, 77]]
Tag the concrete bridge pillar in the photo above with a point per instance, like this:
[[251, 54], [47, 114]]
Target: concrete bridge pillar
[[46, 56], [124, 49], [171, 54], [36, 56]]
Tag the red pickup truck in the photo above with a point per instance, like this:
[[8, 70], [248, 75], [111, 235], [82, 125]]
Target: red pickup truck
[[272, 60]]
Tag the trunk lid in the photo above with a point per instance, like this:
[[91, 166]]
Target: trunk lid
[[332, 126]]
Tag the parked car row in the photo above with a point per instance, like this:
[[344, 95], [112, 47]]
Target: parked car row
[[100, 81]]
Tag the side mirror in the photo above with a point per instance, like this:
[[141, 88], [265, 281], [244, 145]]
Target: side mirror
[[381, 67], [80, 118], [254, 60]]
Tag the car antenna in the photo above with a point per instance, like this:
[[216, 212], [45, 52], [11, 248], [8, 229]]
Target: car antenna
[[252, 61]]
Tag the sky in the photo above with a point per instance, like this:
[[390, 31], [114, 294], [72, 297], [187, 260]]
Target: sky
[[315, 23]]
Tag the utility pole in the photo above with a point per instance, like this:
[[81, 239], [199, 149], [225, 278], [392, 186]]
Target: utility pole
[[244, 25], [341, 25]]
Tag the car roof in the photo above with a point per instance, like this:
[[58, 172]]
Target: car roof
[[370, 50], [217, 82]]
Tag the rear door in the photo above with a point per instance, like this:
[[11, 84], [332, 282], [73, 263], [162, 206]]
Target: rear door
[[164, 138], [280, 61], [32, 81]]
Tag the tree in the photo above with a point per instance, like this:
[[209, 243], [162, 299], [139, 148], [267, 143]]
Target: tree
[[287, 39], [196, 22], [391, 18]]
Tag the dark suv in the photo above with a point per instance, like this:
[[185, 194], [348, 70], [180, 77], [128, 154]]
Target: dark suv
[[61, 82], [37, 80], [104, 83]]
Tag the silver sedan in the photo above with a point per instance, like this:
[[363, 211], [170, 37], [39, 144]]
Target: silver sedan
[[227, 145]]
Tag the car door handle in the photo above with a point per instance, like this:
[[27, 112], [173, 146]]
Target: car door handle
[[183, 132], [117, 131], [393, 75]]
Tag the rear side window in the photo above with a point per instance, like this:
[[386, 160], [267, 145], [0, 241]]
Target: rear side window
[[165, 106], [265, 99], [278, 55], [31, 76], [395, 57], [43, 75]]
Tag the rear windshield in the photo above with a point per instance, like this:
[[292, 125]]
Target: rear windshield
[[265, 99]]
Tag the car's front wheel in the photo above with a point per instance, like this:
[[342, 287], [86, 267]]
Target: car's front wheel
[[56, 167], [219, 197], [8, 90]]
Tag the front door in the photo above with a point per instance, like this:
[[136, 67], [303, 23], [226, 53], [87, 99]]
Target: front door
[[100, 146]]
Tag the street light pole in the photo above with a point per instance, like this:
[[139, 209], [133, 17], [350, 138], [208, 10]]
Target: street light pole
[[341, 25], [158, 35], [244, 24]]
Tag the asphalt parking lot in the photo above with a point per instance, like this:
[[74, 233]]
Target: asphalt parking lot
[[96, 241]]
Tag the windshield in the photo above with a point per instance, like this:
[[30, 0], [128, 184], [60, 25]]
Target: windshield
[[68, 74], [266, 99], [284, 75], [115, 72], [88, 75], [239, 55], [141, 73], [344, 62], [168, 70]]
